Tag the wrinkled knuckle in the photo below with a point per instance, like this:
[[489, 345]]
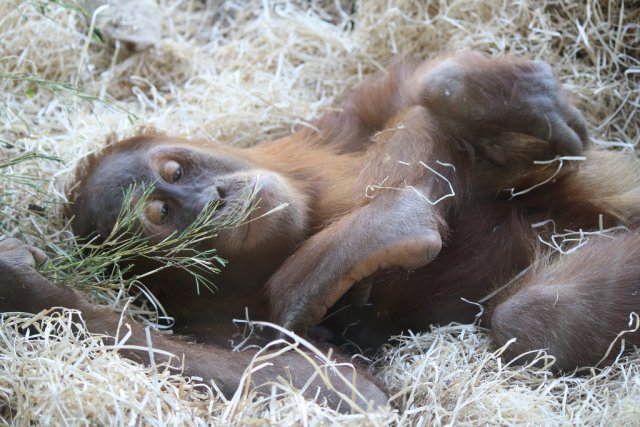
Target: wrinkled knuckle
[[10, 244], [445, 82], [5, 265], [16, 259], [542, 66], [542, 104], [13, 267], [540, 76]]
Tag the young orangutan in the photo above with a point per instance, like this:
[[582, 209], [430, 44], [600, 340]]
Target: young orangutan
[[421, 191]]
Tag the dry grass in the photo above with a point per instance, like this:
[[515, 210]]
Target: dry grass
[[239, 72]]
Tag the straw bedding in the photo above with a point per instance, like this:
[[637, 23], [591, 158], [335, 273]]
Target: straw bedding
[[238, 72]]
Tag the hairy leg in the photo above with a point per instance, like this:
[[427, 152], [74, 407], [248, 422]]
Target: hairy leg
[[575, 306], [22, 288]]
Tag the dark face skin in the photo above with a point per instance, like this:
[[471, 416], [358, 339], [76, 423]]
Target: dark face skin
[[263, 205]]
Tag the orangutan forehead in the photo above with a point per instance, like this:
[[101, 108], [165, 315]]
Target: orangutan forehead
[[121, 169]]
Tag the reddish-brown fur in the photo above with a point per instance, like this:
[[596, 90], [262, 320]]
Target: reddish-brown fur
[[375, 239]]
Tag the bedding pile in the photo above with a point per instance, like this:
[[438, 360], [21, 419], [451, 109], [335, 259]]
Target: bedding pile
[[239, 72]]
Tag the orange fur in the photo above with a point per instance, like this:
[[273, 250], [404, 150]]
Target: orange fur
[[396, 211]]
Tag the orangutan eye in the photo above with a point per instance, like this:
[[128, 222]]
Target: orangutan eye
[[172, 171], [164, 211], [177, 174], [157, 211]]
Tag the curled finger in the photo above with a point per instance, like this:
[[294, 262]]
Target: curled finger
[[39, 256], [552, 128], [577, 122], [564, 138]]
